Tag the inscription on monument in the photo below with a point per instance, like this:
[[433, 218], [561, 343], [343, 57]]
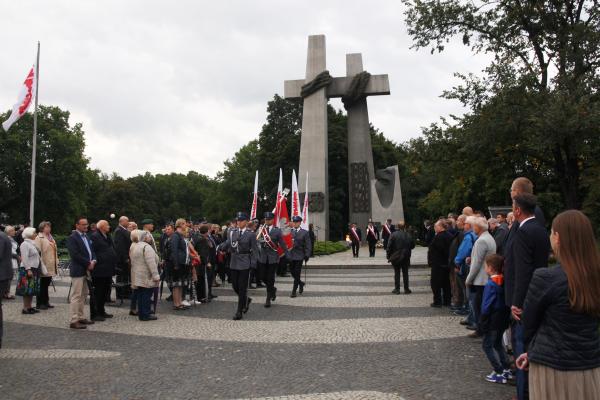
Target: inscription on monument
[[316, 201], [359, 177]]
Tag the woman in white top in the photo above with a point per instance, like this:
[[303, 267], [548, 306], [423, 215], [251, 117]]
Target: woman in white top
[[28, 283]]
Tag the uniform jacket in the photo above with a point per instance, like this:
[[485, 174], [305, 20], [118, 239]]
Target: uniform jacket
[[267, 254], [6, 270], [80, 258], [243, 248], [554, 334], [385, 234], [105, 255], [530, 251], [144, 265], [49, 253], [353, 238], [484, 246], [370, 237], [302, 245]]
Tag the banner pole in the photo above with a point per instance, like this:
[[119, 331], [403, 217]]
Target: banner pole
[[34, 142]]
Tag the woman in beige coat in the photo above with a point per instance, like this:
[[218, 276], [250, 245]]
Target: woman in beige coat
[[144, 271], [47, 247]]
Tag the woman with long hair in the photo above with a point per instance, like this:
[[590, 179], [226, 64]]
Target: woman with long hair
[[561, 316]]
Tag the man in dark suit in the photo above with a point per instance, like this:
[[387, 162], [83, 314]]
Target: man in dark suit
[[300, 252], [83, 261], [372, 238], [122, 242], [355, 239], [400, 241], [104, 270], [529, 250], [437, 258], [6, 272], [386, 231]]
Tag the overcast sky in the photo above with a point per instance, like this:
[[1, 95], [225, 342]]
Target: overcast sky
[[178, 86]]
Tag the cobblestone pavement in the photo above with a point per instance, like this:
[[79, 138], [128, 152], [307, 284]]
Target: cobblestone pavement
[[346, 337]]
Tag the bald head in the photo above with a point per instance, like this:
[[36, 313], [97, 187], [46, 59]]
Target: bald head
[[468, 211]]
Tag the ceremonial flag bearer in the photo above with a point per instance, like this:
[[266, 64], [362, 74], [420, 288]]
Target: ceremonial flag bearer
[[269, 238]]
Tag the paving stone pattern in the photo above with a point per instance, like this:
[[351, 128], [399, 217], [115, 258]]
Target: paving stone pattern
[[346, 337]]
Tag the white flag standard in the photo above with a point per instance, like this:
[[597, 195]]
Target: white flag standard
[[305, 221], [295, 195], [26, 97], [254, 198]]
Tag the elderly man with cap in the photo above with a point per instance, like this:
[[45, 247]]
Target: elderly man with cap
[[241, 243], [300, 252], [269, 238]]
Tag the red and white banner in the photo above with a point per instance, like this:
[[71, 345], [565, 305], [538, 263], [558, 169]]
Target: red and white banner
[[26, 97], [305, 222], [279, 194], [254, 198], [295, 196]]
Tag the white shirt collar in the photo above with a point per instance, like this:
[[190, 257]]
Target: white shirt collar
[[525, 220]]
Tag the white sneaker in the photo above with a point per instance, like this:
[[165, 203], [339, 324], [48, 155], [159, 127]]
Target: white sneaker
[[186, 303], [197, 302]]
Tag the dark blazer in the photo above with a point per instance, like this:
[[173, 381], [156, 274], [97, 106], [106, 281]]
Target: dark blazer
[[384, 233], [554, 334], [178, 250], [370, 237], [105, 255], [80, 258], [439, 249], [201, 244], [358, 233], [401, 240], [122, 243], [529, 251], [6, 271]]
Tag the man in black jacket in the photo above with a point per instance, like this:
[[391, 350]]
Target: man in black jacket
[[437, 258], [83, 261], [104, 270], [122, 242], [372, 238], [399, 251], [6, 271], [529, 251], [355, 239], [386, 232]]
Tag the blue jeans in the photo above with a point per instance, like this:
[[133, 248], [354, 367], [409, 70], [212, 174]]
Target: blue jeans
[[143, 301], [494, 350], [519, 348]]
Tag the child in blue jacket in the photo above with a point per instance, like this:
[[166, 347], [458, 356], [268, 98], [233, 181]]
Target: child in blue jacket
[[494, 320]]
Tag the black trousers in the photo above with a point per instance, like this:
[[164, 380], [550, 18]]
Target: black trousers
[[268, 276], [43, 299], [239, 281], [404, 268], [372, 248], [201, 284], [282, 268], [440, 285], [123, 287], [355, 248], [385, 242], [297, 274], [4, 288], [101, 285], [477, 293]]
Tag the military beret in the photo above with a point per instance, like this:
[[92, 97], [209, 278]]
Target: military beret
[[147, 221]]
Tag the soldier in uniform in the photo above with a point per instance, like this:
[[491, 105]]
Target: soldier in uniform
[[269, 238], [241, 243], [300, 252]]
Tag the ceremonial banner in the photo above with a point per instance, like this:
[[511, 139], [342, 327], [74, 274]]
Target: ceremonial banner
[[295, 195], [255, 198], [26, 97], [279, 194], [305, 222]]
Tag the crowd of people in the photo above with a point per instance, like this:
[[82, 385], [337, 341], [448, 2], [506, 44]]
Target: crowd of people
[[495, 273], [190, 259]]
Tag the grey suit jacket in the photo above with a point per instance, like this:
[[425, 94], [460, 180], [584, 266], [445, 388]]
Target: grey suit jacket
[[302, 245]]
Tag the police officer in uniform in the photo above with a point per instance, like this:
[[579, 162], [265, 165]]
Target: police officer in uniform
[[269, 237], [241, 243], [300, 252]]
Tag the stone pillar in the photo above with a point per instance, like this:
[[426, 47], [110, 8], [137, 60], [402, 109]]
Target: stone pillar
[[360, 152], [313, 143]]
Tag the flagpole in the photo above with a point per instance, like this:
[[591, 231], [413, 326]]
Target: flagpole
[[34, 147]]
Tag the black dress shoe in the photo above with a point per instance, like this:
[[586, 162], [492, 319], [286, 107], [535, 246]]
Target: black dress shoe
[[42, 307], [293, 295], [105, 315], [274, 294], [396, 291], [260, 285], [149, 318], [34, 311], [49, 306], [435, 305], [464, 322], [301, 290], [237, 316], [268, 303], [132, 312], [28, 311], [98, 318], [407, 291], [245, 309]]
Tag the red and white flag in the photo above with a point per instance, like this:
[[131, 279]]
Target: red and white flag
[[254, 198], [305, 222], [26, 97], [295, 196], [279, 194]]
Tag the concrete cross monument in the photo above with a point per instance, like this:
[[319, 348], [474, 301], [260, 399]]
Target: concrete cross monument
[[315, 90]]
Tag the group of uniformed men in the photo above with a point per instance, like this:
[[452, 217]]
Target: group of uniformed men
[[257, 249]]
